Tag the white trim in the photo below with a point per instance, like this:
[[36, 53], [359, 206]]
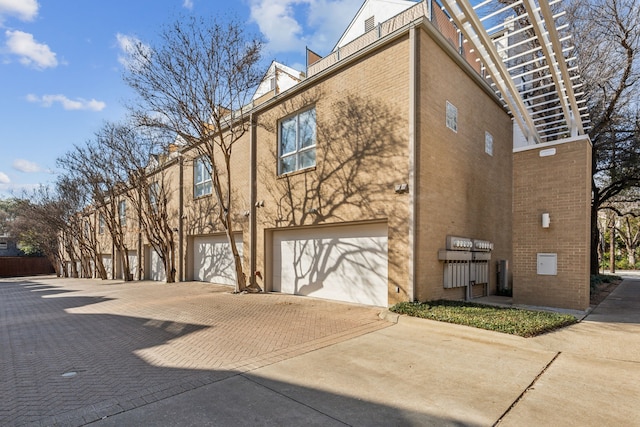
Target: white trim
[[552, 143]]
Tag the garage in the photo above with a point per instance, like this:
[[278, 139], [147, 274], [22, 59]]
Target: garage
[[213, 260], [155, 265], [133, 265], [108, 265], [344, 263]]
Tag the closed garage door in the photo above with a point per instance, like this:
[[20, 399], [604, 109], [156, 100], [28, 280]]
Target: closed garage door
[[106, 262], [155, 266], [345, 263], [213, 260]]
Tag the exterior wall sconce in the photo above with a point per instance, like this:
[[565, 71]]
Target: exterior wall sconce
[[402, 188], [246, 213], [260, 204], [546, 220]]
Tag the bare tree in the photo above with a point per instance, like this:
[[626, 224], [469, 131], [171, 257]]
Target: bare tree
[[197, 85], [607, 38], [91, 166], [141, 158]]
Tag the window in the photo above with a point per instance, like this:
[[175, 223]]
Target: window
[[4, 245], [154, 193], [297, 141], [369, 24], [101, 224], [122, 213], [488, 143], [452, 117], [201, 177]]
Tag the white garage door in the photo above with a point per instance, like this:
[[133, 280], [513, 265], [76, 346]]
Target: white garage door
[[345, 263], [133, 264], [108, 265], [156, 266], [213, 260]]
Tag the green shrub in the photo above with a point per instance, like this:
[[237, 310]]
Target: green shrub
[[526, 323]]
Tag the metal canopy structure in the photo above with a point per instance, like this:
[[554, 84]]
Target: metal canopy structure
[[525, 59]]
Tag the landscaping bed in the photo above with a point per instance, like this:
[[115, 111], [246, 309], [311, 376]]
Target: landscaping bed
[[525, 323]]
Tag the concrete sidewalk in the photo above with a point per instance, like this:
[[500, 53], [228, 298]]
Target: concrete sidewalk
[[195, 355], [421, 372]]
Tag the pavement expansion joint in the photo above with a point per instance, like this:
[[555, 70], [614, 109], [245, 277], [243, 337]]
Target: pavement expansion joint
[[527, 389]]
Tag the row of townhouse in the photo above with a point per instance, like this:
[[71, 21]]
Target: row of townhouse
[[389, 172]]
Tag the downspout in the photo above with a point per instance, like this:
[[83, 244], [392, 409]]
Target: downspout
[[252, 202], [181, 259], [413, 151]]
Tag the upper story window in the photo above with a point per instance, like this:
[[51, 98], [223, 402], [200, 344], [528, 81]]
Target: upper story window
[[122, 213], [452, 117], [101, 224], [297, 141], [154, 189], [201, 176]]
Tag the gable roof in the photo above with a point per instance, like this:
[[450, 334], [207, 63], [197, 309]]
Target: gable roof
[[381, 10]]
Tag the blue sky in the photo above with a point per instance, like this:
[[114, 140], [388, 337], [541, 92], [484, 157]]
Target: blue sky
[[61, 64]]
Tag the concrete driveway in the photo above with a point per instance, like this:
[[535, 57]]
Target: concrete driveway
[[194, 354]]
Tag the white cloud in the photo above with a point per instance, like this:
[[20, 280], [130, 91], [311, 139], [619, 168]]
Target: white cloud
[[289, 25], [67, 104], [31, 53], [24, 10], [187, 4], [4, 178], [26, 166], [130, 46]]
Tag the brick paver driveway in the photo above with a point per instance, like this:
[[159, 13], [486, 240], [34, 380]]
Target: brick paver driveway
[[75, 350]]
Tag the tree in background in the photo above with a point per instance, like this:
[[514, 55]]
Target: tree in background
[[606, 34], [197, 85]]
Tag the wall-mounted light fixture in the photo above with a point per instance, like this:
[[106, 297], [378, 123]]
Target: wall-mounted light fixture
[[402, 188], [546, 220], [246, 213], [260, 204]]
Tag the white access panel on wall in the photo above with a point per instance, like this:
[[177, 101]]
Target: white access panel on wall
[[548, 264]]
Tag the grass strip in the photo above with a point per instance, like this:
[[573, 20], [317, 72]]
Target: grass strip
[[525, 323]]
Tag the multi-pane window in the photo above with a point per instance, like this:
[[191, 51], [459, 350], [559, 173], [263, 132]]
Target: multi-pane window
[[297, 141], [452, 117], [154, 189], [201, 177], [122, 213], [101, 224]]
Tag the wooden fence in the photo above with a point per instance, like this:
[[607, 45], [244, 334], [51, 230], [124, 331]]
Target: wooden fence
[[24, 266]]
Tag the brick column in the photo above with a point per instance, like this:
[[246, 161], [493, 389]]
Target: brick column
[[553, 179]]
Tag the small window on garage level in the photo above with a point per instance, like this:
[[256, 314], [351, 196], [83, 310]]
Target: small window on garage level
[[488, 143], [452, 117]]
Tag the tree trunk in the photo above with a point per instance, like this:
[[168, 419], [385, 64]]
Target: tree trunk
[[595, 242]]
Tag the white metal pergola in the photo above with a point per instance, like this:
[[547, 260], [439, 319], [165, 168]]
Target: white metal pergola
[[529, 68]]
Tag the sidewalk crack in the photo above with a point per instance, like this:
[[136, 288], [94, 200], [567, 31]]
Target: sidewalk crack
[[529, 387]]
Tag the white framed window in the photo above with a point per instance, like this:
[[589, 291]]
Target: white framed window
[[122, 213], [297, 141], [101, 224], [154, 193], [452, 117], [488, 143], [201, 177], [4, 245]]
